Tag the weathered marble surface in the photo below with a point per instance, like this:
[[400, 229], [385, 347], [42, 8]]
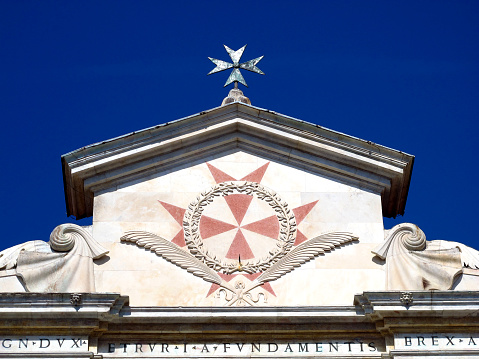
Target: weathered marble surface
[[157, 204], [191, 140], [413, 263], [436, 324], [317, 181], [64, 264], [243, 207], [284, 214], [42, 343]]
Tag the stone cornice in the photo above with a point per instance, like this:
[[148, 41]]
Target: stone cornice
[[57, 312], [375, 316], [423, 311], [424, 303], [333, 154], [258, 322], [237, 314]]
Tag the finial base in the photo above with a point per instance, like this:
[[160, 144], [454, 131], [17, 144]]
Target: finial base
[[235, 95]]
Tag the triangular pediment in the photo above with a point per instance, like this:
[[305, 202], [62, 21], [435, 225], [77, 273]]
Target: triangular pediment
[[236, 126]]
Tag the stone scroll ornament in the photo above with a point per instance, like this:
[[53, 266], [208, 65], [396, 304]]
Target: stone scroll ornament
[[412, 263], [64, 264], [280, 260]]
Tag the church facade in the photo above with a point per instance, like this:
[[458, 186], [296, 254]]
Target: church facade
[[238, 232]]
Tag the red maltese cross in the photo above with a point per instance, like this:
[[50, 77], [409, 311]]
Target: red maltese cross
[[244, 227]]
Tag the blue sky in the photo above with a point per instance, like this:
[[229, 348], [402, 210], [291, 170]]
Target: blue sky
[[403, 74]]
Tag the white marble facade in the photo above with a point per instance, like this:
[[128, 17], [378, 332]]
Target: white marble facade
[[321, 205], [238, 232], [242, 206]]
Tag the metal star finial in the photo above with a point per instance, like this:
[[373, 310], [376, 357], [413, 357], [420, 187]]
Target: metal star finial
[[235, 75]]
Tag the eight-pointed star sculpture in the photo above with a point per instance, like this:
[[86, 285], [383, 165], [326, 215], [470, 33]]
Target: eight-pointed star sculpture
[[235, 75], [241, 226]]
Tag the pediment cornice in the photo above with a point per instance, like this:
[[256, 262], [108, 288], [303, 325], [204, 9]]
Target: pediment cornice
[[288, 140]]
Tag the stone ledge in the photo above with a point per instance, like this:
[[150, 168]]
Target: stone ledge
[[429, 303], [59, 305]]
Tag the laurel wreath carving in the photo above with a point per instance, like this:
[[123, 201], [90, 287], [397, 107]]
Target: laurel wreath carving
[[191, 224], [295, 258]]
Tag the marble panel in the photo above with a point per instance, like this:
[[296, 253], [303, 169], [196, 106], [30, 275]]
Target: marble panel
[[304, 286], [116, 274], [168, 287], [351, 256], [220, 244], [468, 281], [44, 346], [126, 256], [293, 199], [194, 179], [436, 341], [236, 156], [317, 183], [367, 232], [259, 244], [157, 205], [10, 283], [283, 178], [239, 171], [326, 286], [154, 183], [112, 231], [178, 198], [349, 207], [126, 207]]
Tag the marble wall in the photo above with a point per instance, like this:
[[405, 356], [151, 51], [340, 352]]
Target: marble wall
[[238, 225]]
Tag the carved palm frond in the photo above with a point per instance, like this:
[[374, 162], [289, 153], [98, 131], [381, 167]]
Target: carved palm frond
[[174, 254], [469, 256], [9, 256], [304, 253]]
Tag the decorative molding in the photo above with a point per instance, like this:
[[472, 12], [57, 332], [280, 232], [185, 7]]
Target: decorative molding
[[280, 260], [304, 253], [240, 293], [298, 256], [314, 148], [174, 254], [191, 225], [94, 305], [75, 299], [406, 298], [429, 303], [440, 324]]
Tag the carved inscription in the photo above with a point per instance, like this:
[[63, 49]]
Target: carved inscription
[[437, 341], [16, 344], [273, 349]]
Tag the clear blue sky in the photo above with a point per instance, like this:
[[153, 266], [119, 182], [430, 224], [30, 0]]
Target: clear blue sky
[[403, 74]]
